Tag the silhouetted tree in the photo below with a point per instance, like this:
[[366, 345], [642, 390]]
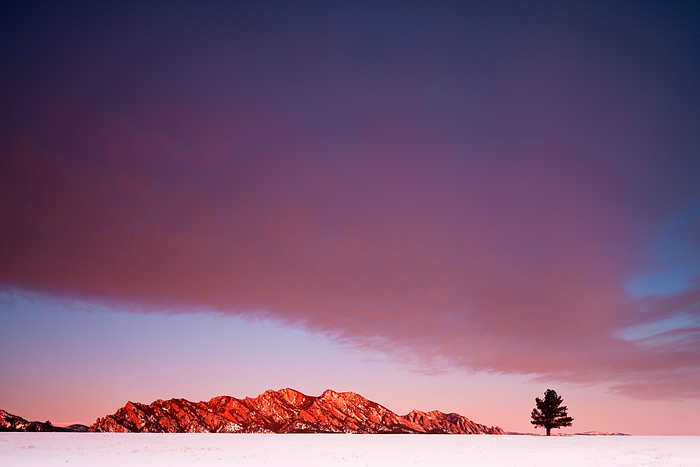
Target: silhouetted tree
[[549, 412]]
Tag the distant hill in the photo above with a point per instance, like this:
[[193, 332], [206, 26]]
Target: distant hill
[[283, 411], [9, 422], [585, 433]]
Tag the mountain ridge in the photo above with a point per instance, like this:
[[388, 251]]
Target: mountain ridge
[[10, 422], [282, 411]]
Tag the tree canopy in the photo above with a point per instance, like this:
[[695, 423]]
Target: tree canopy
[[549, 412]]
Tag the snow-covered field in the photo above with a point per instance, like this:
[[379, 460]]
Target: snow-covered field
[[90, 449]]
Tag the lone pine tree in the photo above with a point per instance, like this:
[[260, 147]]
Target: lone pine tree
[[549, 412]]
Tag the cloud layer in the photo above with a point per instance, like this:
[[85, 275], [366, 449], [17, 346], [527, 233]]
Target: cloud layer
[[474, 194]]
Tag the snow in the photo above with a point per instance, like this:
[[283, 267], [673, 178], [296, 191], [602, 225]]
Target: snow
[[145, 449]]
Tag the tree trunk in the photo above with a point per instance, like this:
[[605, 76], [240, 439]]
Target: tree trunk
[[549, 431]]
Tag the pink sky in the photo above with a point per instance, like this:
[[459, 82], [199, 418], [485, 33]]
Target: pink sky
[[513, 202]]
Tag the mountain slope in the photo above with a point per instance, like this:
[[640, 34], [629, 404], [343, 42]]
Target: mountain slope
[[283, 411], [9, 422]]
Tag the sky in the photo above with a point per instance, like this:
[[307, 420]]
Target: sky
[[437, 205]]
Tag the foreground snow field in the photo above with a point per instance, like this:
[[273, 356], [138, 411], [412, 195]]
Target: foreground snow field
[[89, 449]]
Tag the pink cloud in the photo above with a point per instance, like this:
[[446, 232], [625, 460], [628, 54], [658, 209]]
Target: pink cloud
[[508, 255]]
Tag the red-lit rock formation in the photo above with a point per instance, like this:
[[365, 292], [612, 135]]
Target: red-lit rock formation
[[283, 411], [438, 422]]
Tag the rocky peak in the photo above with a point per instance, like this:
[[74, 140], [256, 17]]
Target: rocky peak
[[439, 422], [293, 398], [283, 411]]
